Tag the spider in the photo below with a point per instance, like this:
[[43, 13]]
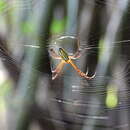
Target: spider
[[66, 59]]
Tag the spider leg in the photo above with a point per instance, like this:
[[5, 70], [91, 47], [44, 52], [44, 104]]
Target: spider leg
[[88, 77], [56, 72], [76, 55], [53, 54], [82, 74], [87, 72]]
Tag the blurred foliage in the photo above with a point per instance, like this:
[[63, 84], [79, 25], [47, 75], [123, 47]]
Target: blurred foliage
[[5, 89], [28, 27], [69, 100], [58, 26], [101, 48], [3, 5], [111, 97]]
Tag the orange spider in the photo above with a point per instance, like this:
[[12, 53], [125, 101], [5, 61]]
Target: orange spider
[[66, 59]]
